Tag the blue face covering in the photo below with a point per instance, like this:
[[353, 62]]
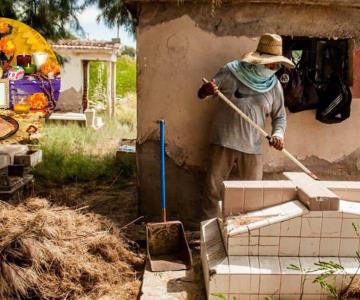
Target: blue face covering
[[265, 72], [257, 77]]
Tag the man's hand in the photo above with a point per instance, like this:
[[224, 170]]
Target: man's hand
[[208, 89], [277, 142]]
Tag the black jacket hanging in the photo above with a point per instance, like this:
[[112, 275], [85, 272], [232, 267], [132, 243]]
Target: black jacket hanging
[[300, 92], [335, 102]]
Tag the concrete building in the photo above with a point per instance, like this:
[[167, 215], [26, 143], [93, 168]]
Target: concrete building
[[178, 44], [75, 71]]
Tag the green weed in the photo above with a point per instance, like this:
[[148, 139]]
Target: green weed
[[75, 154]]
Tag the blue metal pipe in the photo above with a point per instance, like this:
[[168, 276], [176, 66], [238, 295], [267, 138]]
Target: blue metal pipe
[[162, 169]]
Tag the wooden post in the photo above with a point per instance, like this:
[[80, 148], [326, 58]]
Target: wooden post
[[85, 97], [108, 88], [113, 88]]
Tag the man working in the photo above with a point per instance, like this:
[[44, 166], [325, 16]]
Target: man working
[[251, 85]]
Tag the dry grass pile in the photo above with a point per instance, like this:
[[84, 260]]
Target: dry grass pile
[[59, 253], [353, 291]]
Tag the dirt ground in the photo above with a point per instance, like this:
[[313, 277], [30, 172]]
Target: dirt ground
[[120, 205]]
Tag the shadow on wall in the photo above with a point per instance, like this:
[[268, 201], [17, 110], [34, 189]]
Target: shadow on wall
[[183, 186]]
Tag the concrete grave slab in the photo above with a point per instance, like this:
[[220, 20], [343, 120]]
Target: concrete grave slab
[[251, 255]]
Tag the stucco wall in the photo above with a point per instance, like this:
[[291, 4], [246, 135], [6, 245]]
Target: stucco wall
[[178, 45], [71, 82]]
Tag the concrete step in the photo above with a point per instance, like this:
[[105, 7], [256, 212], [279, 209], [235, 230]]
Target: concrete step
[[68, 117]]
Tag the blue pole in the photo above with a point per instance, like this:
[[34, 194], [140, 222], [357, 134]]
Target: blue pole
[[162, 169]]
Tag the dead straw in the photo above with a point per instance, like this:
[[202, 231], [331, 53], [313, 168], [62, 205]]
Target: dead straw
[[47, 253]]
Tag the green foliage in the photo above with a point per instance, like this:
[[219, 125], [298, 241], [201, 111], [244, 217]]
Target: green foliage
[[126, 75], [328, 270], [219, 295], [97, 82], [75, 154], [125, 79], [115, 13], [223, 297], [58, 19], [126, 112], [53, 19], [7, 9], [294, 267], [356, 229], [130, 51]]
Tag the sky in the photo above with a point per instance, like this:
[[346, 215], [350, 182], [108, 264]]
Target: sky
[[99, 31]]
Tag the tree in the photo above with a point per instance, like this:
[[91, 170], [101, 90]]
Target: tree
[[115, 13], [128, 51], [54, 19], [7, 9]]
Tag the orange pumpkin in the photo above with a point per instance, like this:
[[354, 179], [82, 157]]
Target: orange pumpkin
[[49, 67], [37, 101]]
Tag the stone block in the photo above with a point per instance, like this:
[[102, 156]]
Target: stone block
[[346, 190], [233, 198], [215, 262], [289, 246], [309, 246], [273, 191], [245, 196], [290, 278], [29, 159], [314, 194], [253, 195]]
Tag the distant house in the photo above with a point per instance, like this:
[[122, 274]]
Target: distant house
[[75, 71], [178, 44]]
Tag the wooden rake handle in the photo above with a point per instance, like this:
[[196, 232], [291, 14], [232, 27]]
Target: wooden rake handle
[[263, 132]]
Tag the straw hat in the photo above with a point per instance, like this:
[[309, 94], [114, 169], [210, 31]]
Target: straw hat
[[269, 50]]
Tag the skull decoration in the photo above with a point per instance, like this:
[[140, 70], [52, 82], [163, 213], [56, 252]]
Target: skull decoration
[[15, 73]]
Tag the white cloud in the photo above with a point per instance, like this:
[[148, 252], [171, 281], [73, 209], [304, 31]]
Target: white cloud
[[89, 15]]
